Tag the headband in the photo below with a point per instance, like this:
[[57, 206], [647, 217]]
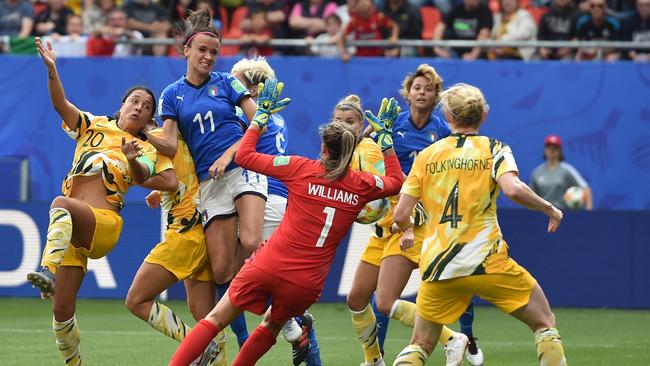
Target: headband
[[350, 105], [196, 34]]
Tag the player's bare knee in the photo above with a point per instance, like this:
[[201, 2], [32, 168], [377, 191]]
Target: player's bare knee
[[384, 304], [222, 275], [251, 241], [62, 311], [355, 302]]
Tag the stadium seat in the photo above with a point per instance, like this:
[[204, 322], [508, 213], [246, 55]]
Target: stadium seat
[[537, 13], [430, 19]]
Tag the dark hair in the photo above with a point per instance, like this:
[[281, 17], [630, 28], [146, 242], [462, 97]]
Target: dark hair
[[199, 22], [144, 89], [340, 140], [334, 17]]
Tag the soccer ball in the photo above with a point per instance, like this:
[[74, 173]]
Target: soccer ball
[[574, 197], [373, 211]]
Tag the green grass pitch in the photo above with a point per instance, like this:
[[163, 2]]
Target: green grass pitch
[[112, 336]]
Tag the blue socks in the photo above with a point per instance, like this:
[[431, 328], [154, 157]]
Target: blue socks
[[238, 325], [382, 324], [466, 320]]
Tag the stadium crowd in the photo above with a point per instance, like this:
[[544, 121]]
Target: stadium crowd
[[99, 27]]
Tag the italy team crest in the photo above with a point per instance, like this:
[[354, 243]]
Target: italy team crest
[[213, 91]]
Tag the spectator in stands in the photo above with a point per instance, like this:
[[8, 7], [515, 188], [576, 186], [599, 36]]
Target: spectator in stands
[[151, 20], [117, 30], [325, 45], [216, 18], [369, 24], [53, 19], [598, 26], [558, 25], [512, 23], [637, 29], [16, 18], [179, 10], [345, 12], [72, 42], [551, 179], [276, 15], [409, 20], [255, 42], [307, 18], [472, 20], [95, 15]]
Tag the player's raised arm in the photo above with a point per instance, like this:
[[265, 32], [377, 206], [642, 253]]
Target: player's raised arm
[[68, 112], [267, 103]]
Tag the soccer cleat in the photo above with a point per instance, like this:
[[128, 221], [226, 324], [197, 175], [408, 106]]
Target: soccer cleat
[[474, 354], [291, 330], [301, 347], [455, 349], [379, 362], [44, 281]]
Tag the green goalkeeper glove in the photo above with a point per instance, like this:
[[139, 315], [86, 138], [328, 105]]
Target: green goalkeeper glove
[[383, 122], [268, 101]]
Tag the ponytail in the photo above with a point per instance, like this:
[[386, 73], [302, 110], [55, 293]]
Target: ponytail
[[340, 141]]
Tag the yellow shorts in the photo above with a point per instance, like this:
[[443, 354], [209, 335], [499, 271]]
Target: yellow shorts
[[183, 254], [380, 248], [443, 302], [108, 227]]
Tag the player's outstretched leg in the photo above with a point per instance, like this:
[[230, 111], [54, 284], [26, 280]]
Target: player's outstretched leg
[[474, 354], [64, 321], [59, 234]]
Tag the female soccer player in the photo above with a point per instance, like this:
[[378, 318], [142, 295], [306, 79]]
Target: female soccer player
[[85, 221], [458, 180], [385, 268], [325, 197], [251, 72], [181, 256], [201, 106]]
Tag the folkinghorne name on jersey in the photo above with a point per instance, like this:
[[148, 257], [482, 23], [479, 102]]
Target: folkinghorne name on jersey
[[458, 164], [333, 194]]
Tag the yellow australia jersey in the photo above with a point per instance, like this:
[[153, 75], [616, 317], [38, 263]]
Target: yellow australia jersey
[[181, 206], [98, 151], [456, 180], [367, 157]]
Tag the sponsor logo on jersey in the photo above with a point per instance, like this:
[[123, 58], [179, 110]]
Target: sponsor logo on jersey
[[281, 160], [402, 134]]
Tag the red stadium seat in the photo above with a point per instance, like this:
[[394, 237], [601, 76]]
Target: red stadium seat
[[430, 19], [537, 13]]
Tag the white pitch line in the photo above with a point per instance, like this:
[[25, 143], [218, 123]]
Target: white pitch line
[[334, 338]]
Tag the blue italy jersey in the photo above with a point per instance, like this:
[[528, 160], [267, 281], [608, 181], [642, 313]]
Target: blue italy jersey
[[408, 140], [206, 116], [273, 142]]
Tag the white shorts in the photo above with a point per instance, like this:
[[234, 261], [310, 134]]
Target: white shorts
[[273, 214], [218, 196]]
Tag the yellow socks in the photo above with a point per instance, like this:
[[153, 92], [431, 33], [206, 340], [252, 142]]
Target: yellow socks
[[165, 321], [59, 234], [411, 355], [549, 347], [404, 311], [365, 325], [446, 335], [68, 339]]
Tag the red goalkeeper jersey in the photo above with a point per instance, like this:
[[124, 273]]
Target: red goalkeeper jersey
[[319, 211]]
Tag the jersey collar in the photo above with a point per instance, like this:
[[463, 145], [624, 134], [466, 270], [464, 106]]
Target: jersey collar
[[206, 81]]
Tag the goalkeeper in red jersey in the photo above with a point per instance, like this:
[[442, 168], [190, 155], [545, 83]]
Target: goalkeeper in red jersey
[[325, 197]]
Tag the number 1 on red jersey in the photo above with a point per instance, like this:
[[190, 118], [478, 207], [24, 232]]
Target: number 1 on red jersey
[[329, 211]]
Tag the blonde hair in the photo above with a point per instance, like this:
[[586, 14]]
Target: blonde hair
[[428, 72], [256, 70], [465, 104], [340, 140], [350, 103]]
